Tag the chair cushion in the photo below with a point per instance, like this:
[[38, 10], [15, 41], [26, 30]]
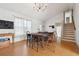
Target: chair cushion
[[29, 36], [2, 39]]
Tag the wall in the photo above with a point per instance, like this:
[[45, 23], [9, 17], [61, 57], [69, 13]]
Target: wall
[[4, 15], [35, 25], [10, 16], [56, 19], [76, 19]]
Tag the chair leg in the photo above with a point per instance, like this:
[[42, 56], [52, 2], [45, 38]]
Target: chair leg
[[27, 42], [37, 45], [42, 43], [32, 43]]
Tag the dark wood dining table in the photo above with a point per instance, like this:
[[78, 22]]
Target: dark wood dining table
[[40, 37]]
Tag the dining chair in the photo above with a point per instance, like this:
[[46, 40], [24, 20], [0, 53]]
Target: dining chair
[[37, 41], [45, 38], [29, 39]]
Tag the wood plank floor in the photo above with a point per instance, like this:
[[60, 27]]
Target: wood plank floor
[[21, 49]]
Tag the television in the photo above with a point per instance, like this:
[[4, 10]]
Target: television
[[6, 24]]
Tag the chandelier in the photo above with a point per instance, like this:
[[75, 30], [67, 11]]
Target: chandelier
[[39, 7]]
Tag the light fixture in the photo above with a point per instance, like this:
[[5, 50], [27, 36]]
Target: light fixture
[[39, 7]]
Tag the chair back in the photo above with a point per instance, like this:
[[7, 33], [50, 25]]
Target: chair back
[[29, 36]]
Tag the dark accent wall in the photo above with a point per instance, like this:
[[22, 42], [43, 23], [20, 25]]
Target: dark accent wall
[[6, 24]]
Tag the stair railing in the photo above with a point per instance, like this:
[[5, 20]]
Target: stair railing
[[73, 21]]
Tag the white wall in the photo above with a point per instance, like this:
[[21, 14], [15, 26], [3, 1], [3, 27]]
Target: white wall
[[4, 15], [9, 15], [56, 19], [76, 19], [35, 25]]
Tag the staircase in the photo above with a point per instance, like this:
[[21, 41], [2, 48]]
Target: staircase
[[68, 32]]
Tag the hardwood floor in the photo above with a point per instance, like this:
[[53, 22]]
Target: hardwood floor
[[71, 46], [21, 49]]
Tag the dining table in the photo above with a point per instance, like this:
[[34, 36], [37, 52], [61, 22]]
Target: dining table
[[39, 38]]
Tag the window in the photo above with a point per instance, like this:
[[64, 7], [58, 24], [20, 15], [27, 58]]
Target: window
[[18, 26], [27, 25]]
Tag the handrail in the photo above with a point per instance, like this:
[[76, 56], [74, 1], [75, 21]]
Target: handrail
[[73, 24], [73, 21]]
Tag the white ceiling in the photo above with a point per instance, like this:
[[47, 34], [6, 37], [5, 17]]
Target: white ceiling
[[27, 9]]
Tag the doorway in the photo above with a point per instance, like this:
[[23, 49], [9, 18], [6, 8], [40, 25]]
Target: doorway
[[68, 16], [67, 19]]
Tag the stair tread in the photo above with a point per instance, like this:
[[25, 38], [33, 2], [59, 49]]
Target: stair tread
[[69, 35], [68, 40], [69, 30]]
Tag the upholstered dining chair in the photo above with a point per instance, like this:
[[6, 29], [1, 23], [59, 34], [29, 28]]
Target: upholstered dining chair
[[37, 41], [29, 39]]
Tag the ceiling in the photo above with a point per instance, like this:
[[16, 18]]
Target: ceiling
[[27, 9]]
